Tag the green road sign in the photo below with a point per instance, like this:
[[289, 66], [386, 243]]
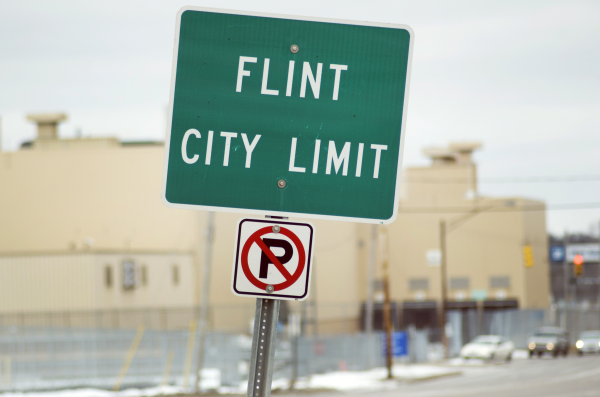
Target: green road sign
[[287, 116]]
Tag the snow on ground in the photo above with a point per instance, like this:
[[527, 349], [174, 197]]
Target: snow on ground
[[374, 379], [89, 392], [520, 354], [464, 361]]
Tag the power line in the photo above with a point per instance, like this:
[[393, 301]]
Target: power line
[[516, 208], [530, 179]]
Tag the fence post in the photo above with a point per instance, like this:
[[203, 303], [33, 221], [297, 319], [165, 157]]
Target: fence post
[[129, 357], [5, 371], [189, 354], [167, 372], [411, 344]]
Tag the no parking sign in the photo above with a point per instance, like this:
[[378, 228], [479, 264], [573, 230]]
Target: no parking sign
[[272, 259]]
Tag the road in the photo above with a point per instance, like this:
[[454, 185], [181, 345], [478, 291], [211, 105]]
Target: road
[[546, 377]]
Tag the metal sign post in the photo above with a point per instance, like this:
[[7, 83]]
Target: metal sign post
[[287, 116], [258, 272], [263, 348]]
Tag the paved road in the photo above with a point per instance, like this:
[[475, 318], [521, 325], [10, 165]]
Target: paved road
[[546, 377]]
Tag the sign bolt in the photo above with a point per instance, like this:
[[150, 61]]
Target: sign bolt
[[276, 229], [281, 183], [270, 289], [294, 48]]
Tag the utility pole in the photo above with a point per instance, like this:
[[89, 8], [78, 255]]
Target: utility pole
[[598, 298], [443, 289], [565, 316], [203, 318], [446, 228]]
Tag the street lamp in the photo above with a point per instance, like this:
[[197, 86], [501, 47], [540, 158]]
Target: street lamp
[[445, 229]]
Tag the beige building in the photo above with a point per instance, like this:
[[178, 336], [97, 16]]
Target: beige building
[[74, 211], [83, 230], [485, 240]]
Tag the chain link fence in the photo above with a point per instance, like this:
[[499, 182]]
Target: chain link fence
[[515, 325], [117, 350], [577, 318], [60, 350]]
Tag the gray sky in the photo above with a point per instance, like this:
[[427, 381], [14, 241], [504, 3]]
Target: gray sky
[[523, 77]]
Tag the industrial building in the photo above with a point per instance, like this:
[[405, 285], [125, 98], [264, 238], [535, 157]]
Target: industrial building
[[85, 239]]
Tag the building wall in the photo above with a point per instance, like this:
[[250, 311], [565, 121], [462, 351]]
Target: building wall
[[79, 207], [483, 245], [169, 281], [99, 199], [46, 283], [86, 200], [537, 277], [78, 281]]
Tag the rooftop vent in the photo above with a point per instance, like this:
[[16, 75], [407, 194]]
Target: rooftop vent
[[47, 124]]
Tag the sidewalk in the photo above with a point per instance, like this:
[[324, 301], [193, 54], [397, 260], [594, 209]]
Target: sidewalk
[[344, 381]]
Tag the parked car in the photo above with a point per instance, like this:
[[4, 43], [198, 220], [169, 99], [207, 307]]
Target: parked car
[[552, 340], [488, 347], [588, 342]]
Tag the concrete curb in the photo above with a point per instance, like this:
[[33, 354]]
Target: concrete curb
[[471, 365], [429, 377]]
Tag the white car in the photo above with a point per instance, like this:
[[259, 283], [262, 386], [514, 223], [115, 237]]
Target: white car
[[588, 342], [488, 347]]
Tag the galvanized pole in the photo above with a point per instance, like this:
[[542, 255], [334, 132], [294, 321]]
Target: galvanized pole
[[294, 346], [263, 348], [370, 277], [315, 308], [443, 289], [294, 333], [369, 306], [387, 321], [203, 320]]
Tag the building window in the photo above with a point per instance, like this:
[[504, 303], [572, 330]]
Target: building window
[[459, 283], [108, 276], [499, 282], [418, 284], [130, 280], [175, 275], [144, 275]]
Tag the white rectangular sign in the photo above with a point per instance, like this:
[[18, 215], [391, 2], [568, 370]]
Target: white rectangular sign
[[589, 251], [272, 259], [434, 257]]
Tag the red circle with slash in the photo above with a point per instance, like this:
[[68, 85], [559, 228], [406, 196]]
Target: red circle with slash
[[289, 278]]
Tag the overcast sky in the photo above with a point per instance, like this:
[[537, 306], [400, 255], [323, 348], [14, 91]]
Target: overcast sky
[[522, 77]]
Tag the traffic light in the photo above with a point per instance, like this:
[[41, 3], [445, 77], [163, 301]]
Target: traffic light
[[527, 256], [578, 265]]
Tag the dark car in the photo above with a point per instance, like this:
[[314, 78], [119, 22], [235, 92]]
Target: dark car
[[552, 340]]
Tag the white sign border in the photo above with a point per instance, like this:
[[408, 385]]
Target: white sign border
[[237, 250], [283, 213]]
